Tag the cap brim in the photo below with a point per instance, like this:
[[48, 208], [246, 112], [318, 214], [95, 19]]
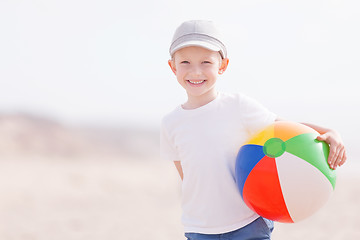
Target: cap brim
[[195, 43]]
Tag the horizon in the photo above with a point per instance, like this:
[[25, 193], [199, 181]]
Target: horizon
[[352, 166]]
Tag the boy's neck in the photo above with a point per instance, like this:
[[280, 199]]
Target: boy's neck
[[194, 102]]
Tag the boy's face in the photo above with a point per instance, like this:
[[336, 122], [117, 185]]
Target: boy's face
[[197, 69]]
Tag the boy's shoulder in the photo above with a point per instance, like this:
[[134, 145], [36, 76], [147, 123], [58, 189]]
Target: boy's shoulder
[[171, 116]]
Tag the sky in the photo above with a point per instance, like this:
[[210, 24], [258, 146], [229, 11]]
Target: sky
[[105, 61]]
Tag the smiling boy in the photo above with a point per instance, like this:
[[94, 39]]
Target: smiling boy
[[196, 70], [203, 135]]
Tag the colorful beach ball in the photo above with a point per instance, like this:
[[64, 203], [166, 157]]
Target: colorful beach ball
[[282, 172]]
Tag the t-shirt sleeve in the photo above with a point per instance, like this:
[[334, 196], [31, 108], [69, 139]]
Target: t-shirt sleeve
[[256, 117], [167, 146]]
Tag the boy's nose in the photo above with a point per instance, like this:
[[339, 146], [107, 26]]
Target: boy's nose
[[196, 71]]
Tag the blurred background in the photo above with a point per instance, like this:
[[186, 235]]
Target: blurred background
[[84, 85]]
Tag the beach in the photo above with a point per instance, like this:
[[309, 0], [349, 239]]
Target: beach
[[130, 199]]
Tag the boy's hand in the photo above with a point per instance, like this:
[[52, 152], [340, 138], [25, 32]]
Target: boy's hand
[[337, 154]]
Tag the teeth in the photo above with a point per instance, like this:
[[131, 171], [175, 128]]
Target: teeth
[[196, 82]]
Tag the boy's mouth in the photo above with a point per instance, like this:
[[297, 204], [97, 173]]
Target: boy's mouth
[[196, 82]]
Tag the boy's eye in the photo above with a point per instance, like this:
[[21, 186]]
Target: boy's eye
[[185, 62], [206, 62]]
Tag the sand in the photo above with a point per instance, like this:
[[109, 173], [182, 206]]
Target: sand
[[129, 199]]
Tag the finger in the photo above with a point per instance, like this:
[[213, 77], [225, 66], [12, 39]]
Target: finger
[[343, 157], [337, 160], [322, 137], [333, 154], [332, 151]]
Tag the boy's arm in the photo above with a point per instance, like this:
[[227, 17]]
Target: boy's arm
[[337, 154], [179, 168]]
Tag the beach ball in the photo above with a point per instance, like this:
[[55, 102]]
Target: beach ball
[[282, 172]]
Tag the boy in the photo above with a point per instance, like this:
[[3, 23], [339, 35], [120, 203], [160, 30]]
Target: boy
[[203, 136]]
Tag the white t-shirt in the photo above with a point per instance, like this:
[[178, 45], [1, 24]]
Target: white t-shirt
[[206, 140]]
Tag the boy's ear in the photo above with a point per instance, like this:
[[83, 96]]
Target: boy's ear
[[172, 66], [224, 65]]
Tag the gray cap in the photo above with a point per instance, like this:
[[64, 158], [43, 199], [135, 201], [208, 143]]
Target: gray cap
[[199, 33]]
